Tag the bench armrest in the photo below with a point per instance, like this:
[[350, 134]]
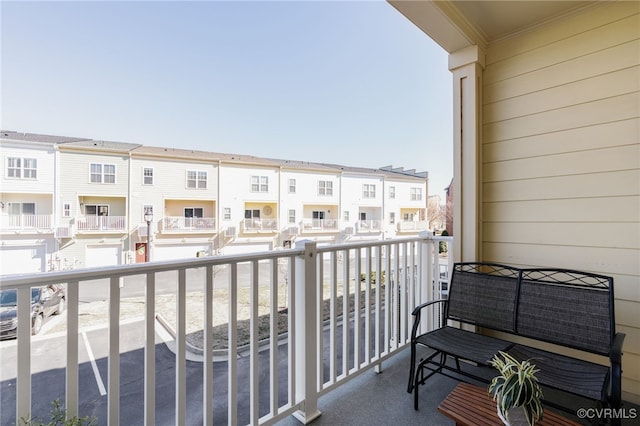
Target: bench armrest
[[416, 313], [615, 356]]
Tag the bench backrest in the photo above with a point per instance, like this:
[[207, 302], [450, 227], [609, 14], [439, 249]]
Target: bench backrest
[[483, 294], [569, 308]]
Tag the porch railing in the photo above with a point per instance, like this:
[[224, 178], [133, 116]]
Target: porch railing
[[257, 225], [413, 225], [101, 223], [26, 222], [352, 300], [319, 225], [188, 224]]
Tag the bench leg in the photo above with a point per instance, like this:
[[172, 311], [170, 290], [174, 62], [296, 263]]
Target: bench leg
[[412, 367]]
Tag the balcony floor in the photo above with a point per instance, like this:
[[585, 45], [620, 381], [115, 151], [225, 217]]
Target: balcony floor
[[382, 399]]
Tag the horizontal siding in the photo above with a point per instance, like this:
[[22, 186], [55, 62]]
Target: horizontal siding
[[610, 184], [605, 160], [608, 261], [617, 108], [576, 210], [561, 154], [570, 26], [603, 235], [582, 138], [595, 64], [583, 43], [616, 83]]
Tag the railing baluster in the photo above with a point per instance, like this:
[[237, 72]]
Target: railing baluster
[[181, 349], [292, 331], [113, 416], [379, 282], [232, 416], [150, 351], [345, 315], [319, 280], [388, 301], [357, 320], [333, 359], [207, 370], [367, 308], [71, 397], [23, 381], [273, 339], [254, 338]]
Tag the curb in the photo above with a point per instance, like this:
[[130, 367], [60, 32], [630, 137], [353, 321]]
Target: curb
[[218, 354]]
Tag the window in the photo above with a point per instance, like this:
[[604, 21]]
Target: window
[[193, 212], [17, 209], [392, 217], [325, 187], [96, 210], [252, 214], [416, 194], [259, 184], [368, 191], [196, 179], [292, 186], [345, 215], [408, 217], [147, 176], [363, 216], [102, 173], [392, 192], [22, 168], [66, 210], [292, 216], [226, 213], [30, 168]]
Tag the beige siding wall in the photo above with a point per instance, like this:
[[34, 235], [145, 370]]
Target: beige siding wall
[[561, 155]]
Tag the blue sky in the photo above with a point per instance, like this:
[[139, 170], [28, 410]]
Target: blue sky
[[349, 82]]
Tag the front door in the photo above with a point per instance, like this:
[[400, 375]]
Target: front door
[[141, 251]]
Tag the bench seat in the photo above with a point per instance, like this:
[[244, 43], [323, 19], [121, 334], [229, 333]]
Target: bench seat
[[566, 373], [464, 344]]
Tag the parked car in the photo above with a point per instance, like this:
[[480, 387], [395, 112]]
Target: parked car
[[45, 301]]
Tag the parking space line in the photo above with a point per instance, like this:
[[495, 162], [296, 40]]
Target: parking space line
[[96, 372]]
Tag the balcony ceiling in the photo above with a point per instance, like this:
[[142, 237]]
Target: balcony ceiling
[[455, 25]]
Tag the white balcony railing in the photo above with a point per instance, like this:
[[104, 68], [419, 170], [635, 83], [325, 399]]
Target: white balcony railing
[[26, 222], [413, 225], [316, 225], [188, 224], [101, 223], [364, 226], [260, 225], [329, 339]]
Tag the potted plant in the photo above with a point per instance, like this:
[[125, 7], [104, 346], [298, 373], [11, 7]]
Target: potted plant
[[516, 386]]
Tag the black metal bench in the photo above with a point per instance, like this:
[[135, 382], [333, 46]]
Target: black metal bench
[[571, 309]]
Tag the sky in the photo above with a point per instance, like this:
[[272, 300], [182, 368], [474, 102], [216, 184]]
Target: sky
[[346, 82]]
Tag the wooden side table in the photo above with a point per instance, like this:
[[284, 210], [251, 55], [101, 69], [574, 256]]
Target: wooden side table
[[471, 405]]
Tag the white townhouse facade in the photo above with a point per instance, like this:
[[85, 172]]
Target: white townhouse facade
[[93, 199], [90, 201], [180, 189], [29, 229], [27, 203]]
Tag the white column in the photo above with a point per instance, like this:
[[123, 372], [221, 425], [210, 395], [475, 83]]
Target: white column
[[306, 351], [467, 66]]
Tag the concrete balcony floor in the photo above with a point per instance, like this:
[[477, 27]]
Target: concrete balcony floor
[[382, 399]]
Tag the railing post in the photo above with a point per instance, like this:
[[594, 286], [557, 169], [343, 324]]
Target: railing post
[[427, 281], [306, 351]]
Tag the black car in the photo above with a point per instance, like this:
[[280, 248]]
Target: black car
[[45, 301]]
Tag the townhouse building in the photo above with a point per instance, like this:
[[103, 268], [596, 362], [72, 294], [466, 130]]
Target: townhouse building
[[100, 203], [28, 229]]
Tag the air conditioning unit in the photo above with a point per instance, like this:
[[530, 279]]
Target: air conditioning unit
[[230, 231], [293, 230], [349, 230]]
